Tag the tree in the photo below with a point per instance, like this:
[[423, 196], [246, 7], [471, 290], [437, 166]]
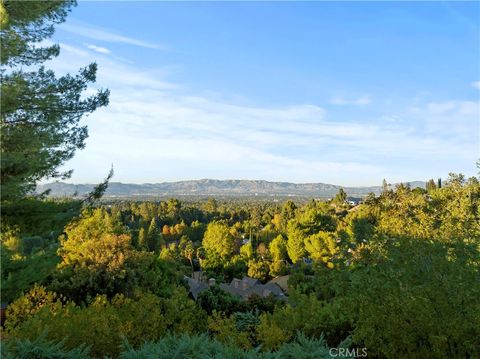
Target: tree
[[189, 253], [218, 242], [142, 239], [384, 186], [40, 112], [153, 237], [430, 186], [211, 205], [321, 246], [258, 269], [278, 248], [314, 219], [340, 197], [97, 257], [295, 246], [288, 212], [431, 289], [166, 230]]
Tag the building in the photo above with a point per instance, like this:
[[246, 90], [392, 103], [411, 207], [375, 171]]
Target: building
[[244, 288], [247, 287]]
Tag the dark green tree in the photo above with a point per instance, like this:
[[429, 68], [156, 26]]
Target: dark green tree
[[340, 197], [142, 239], [40, 112], [153, 237], [430, 186]]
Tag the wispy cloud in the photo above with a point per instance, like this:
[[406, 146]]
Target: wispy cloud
[[99, 34], [476, 84], [99, 49], [359, 101]]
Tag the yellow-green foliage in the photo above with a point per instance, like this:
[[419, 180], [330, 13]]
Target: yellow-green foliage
[[98, 258], [218, 241], [307, 314], [418, 299], [258, 269], [224, 329], [103, 324], [29, 304], [442, 214], [321, 246]]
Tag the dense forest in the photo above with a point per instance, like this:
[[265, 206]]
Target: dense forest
[[396, 276]]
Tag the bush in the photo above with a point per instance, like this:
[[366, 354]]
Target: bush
[[41, 348], [104, 323], [420, 300], [172, 347]]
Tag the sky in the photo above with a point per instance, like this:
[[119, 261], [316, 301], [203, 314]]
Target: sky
[[346, 93]]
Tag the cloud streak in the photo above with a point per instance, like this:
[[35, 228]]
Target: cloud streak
[[99, 49], [359, 101], [99, 34]]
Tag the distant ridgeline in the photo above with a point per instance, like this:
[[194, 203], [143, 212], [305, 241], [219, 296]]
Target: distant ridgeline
[[209, 187]]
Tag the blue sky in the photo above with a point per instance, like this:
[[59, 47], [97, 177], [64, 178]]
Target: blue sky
[[338, 92]]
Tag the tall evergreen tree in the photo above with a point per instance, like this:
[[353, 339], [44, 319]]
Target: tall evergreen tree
[[40, 112], [430, 186], [153, 238], [142, 239]]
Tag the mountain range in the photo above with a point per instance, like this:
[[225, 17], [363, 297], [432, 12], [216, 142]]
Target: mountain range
[[212, 187]]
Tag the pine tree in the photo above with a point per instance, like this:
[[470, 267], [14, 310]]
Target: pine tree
[[40, 119], [153, 239], [384, 186], [40, 113], [340, 197], [142, 239], [430, 186]]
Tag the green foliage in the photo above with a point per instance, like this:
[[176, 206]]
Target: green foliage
[[215, 299], [225, 330], [33, 216], [20, 273], [304, 313], [278, 268], [174, 347], [153, 237], [218, 243], [142, 239], [430, 291], [398, 274], [29, 304], [203, 347], [24, 25], [40, 117], [104, 324], [340, 197], [278, 248], [321, 246], [295, 245], [317, 217], [98, 258], [258, 269], [41, 348]]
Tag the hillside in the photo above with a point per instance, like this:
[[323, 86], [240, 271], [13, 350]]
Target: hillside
[[211, 187]]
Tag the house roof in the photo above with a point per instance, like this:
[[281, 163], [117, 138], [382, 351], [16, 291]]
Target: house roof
[[281, 281], [196, 287], [243, 288], [250, 281], [248, 286]]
